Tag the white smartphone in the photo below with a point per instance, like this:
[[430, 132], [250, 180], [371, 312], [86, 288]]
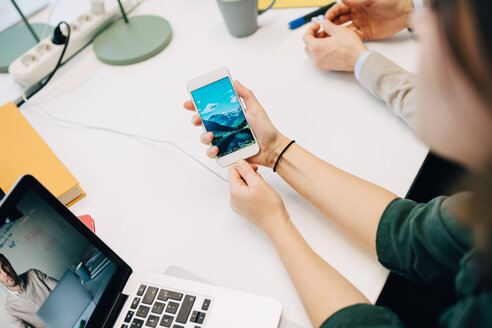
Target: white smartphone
[[222, 114]]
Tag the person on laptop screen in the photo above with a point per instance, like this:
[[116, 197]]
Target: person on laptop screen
[[64, 275], [26, 293]]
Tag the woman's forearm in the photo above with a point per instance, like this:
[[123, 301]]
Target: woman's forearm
[[353, 204], [323, 291]]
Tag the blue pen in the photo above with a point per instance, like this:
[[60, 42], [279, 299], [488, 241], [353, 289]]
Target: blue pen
[[306, 19]]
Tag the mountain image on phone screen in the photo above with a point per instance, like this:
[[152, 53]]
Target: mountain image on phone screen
[[222, 115]]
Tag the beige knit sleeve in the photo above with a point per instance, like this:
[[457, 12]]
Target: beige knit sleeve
[[391, 83]]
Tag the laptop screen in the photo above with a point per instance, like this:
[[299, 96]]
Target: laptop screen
[[53, 271]]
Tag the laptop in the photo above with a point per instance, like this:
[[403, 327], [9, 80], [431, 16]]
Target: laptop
[[44, 241]]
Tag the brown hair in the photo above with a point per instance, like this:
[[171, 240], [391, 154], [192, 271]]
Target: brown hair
[[7, 267], [450, 16], [479, 74]]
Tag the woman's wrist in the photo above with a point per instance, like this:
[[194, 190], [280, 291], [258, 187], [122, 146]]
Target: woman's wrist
[[280, 143], [277, 230]]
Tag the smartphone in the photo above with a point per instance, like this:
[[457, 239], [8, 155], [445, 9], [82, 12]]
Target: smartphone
[[222, 114]]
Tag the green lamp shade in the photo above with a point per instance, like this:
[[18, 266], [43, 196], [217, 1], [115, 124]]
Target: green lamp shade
[[15, 41], [129, 43]]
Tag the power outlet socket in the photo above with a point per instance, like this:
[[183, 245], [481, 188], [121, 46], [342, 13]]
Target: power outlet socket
[[39, 61]]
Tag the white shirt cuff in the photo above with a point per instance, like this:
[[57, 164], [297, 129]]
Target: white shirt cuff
[[418, 4], [360, 61]]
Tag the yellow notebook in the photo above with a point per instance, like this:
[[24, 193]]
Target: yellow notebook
[[262, 4], [22, 151]]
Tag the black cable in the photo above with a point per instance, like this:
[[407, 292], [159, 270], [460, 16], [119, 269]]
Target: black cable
[[37, 87]]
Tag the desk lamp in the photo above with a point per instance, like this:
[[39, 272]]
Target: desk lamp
[[132, 40], [16, 40]]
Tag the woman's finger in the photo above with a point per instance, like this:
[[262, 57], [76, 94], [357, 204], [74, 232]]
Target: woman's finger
[[212, 152], [196, 120], [235, 180], [189, 105], [248, 173], [249, 98], [254, 167], [206, 137]]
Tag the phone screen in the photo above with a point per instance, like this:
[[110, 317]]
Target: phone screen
[[222, 114]]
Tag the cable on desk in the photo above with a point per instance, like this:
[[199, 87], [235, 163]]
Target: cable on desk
[[120, 111], [45, 29], [131, 135]]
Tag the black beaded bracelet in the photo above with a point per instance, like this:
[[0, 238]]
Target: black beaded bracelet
[[280, 156]]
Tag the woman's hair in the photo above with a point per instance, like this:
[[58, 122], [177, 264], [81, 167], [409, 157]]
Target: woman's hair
[[450, 16], [7, 267]]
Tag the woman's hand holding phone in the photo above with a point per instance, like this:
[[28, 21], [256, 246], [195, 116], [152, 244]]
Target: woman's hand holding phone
[[251, 196], [270, 139]]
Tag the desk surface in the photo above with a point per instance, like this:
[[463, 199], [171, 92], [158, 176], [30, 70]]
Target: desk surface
[[155, 207]]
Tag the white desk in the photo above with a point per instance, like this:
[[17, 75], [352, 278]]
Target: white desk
[[155, 207]]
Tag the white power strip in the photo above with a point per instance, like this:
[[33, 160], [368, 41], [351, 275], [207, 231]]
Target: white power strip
[[39, 61]]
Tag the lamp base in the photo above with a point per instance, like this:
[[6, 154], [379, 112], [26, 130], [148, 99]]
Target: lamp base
[[128, 43], [16, 40]]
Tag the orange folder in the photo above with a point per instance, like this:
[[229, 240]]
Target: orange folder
[[23, 151]]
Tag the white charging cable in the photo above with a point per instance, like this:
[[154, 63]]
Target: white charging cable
[[45, 29], [138, 137]]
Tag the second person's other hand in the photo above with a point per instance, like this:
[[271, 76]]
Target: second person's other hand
[[336, 48], [373, 19]]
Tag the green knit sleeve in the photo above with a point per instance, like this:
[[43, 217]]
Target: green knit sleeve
[[363, 315], [422, 242]]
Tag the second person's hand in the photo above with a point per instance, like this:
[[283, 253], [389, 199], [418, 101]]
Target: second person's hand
[[337, 48], [373, 19], [271, 141]]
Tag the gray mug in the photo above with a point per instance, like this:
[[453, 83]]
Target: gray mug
[[240, 16]]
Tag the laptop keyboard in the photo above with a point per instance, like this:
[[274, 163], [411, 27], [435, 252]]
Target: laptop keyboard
[[159, 307]]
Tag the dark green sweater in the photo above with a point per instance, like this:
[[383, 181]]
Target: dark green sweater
[[424, 243]]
